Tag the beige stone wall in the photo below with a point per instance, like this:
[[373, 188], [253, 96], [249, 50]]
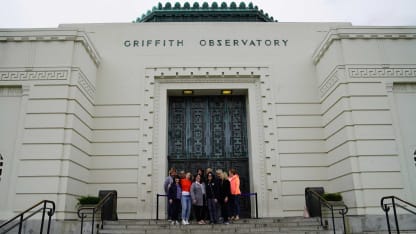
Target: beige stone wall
[[325, 110], [55, 121], [356, 67]]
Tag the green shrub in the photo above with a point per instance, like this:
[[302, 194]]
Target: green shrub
[[88, 200], [332, 196]]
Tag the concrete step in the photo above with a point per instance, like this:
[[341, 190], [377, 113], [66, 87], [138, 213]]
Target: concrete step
[[244, 226]]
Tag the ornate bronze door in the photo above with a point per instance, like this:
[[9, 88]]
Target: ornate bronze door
[[210, 131]]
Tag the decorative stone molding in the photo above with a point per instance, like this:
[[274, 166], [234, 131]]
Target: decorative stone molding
[[404, 88], [254, 78], [332, 79], [11, 91], [328, 84], [229, 73], [382, 72], [86, 85], [389, 87], [207, 80], [33, 75], [362, 33], [33, 35]]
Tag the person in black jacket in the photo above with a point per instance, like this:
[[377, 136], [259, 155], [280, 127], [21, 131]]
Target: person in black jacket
[[212, 191], [224, 196], [174, 197]]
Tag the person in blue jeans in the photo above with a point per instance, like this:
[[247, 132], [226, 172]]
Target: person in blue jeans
[[186, 198]]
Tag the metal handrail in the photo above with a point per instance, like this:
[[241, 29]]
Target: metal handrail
[[83, 211], [50, 212], [386, 208], [342, 211], [243, 194], [255, 195], [157, 204]]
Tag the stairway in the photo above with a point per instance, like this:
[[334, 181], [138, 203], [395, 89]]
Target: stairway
[[243, 226]]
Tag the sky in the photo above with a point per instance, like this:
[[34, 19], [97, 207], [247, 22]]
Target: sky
[[51, 13]]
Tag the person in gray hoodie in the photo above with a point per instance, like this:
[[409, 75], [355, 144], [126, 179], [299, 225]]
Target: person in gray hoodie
[[197, 196]]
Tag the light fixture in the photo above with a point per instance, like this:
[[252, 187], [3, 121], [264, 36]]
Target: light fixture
[[226, 92], [187, 92]]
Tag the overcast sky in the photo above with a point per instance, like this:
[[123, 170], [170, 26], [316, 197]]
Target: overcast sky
[[51, 13]]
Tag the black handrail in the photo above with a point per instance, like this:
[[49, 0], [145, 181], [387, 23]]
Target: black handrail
[[83, 211], [243, 194], [157, 204], [50, 212], [322, 201], [386, 208], [255, 195]]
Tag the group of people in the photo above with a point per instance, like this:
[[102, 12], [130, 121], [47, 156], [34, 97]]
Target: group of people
[[214, 197]]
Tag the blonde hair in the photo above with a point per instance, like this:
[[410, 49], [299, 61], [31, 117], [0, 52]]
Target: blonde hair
[[188, 174], [224, 175]]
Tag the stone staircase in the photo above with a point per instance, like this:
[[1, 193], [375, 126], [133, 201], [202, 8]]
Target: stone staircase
[[243, 226]]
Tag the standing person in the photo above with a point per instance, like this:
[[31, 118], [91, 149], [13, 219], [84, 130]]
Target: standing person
[[174, 198], [186, 198], [235, 194], [208, 170], [168, 181], [218, 176], [197, 196], [212, 192], [224, 196], [201, 173], [205, 209], [181, 174]]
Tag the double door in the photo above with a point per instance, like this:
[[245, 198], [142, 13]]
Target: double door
[[210, 131]]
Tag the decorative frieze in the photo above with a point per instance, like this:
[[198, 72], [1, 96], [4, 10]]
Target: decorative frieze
[[332, 79], [382, 72], [33, 75], [86, 85], [328, 84]]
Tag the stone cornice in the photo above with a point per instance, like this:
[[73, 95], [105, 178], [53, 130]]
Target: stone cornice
[[32, 35], [369, 33]]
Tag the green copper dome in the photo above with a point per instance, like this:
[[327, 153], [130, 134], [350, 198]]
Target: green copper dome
[[205, 13]]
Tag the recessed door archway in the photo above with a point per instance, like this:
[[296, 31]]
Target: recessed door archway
[[209, 131]]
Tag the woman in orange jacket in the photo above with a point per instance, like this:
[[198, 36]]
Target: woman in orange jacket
[[235, 194]]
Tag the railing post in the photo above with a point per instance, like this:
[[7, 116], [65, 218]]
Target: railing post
[[342, 212], [43, 217], [92, 223], [257, 207], [320, 213], [386, 209], [82, 222], [49, 222], [395, 216], [20, 224], [157, 206], [333, 219]]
